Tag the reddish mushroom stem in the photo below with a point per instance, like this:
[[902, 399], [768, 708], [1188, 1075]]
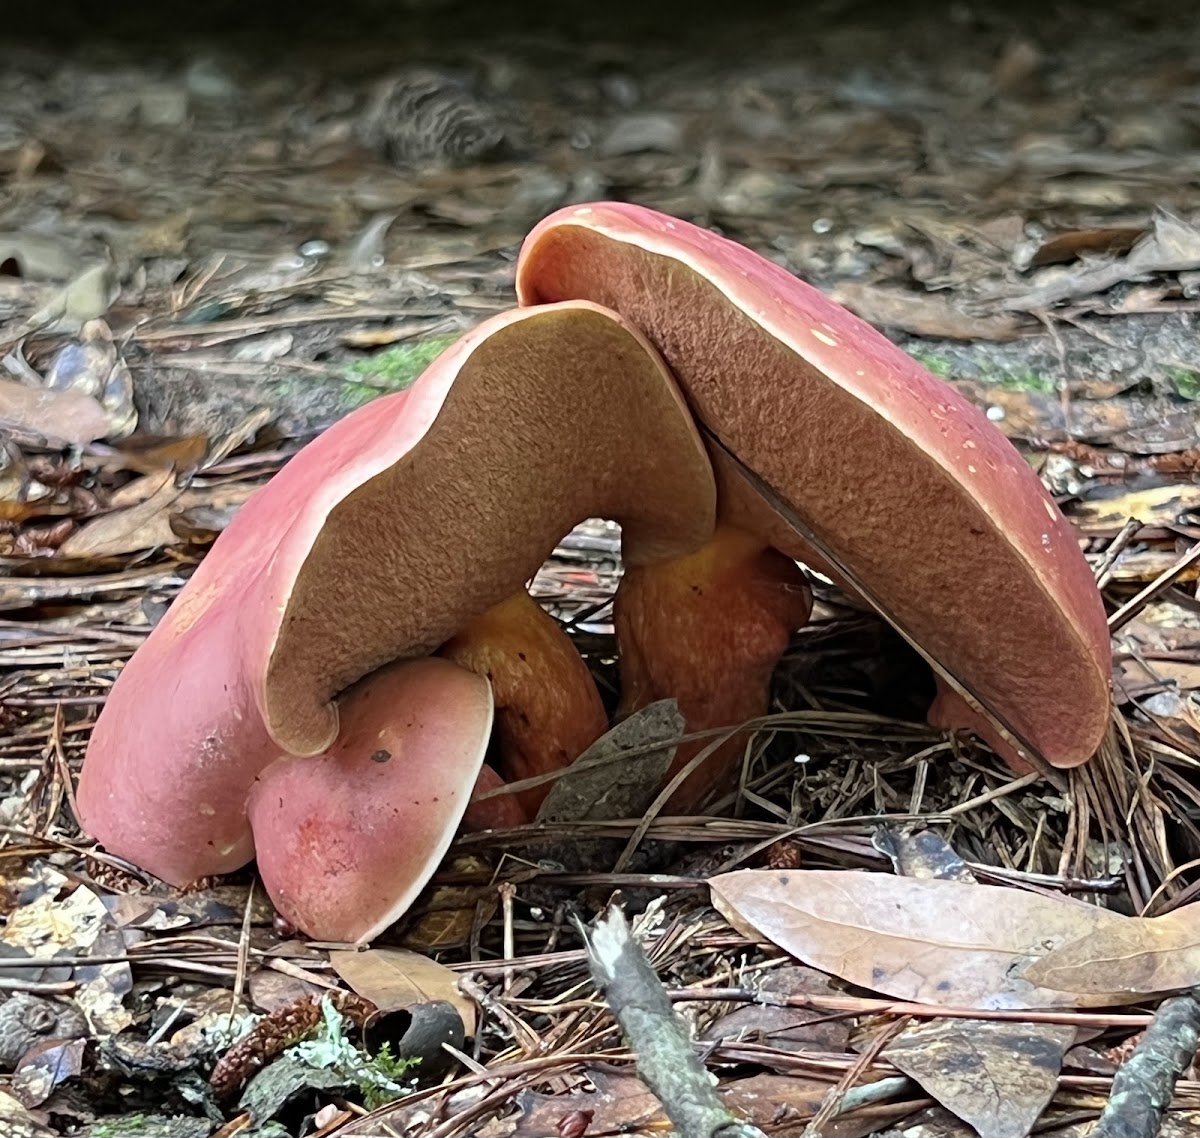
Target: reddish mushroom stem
[[708, 629], [503, 812], [548, 710]]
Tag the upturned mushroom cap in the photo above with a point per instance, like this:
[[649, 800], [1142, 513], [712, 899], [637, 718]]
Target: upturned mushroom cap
[[378, 542], [548, 711], [884, 469], [347, 839]]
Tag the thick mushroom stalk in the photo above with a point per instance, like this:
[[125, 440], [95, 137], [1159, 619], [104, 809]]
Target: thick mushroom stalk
[[548, 711], [708, 629], [378, 542], [346, 839], [896, 481]]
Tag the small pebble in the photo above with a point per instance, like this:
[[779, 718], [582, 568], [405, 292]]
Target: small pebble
[[206, 80], [315, 249], [637, 134]]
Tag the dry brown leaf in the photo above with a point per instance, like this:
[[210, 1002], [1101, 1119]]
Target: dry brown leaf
[[142, 526], [783, 1104], [43, 1068], [240, 433], [784, 1029], [1136, 425], [930, 941], [994, 1075], [1159, 506], [1172, 245], [922, 854], [1137, 956], [1136, 675], [201, 513], [1143, 565], [787, 1029], [620, 1103], [394, 978], [269, 991], [932, 314], [1069, 245], [148, 455], [1163, 626], [201, 525], [139, 490], [101, 989], [445, 915], [62, 415], [84, 297], [597, 788]]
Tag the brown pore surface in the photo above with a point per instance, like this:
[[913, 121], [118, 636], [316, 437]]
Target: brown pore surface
[[550, 420], [953, 557]]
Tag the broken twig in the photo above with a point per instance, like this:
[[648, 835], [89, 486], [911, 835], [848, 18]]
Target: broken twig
[[666, 1059], [1143, 1086]]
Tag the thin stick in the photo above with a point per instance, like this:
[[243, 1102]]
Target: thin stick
[[1160, 584], [243, 954], [1116, 547], [861, 1005], [666, 1059], [835, 1101], [996, 792], [664, 796]]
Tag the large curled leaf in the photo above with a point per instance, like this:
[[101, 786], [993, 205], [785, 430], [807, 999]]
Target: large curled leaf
[[930, 941]]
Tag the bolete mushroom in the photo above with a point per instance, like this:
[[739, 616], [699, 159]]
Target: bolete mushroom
[[838, 448], [378, 542]]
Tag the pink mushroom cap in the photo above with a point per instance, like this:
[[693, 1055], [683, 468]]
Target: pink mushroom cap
[[376, 543], [346, 840], [840, 449]]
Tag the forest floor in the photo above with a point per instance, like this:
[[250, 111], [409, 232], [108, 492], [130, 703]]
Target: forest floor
[[213, 244]]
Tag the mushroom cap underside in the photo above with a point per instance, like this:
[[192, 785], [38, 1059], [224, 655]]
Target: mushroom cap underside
[[377, 542], [883, 468]]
